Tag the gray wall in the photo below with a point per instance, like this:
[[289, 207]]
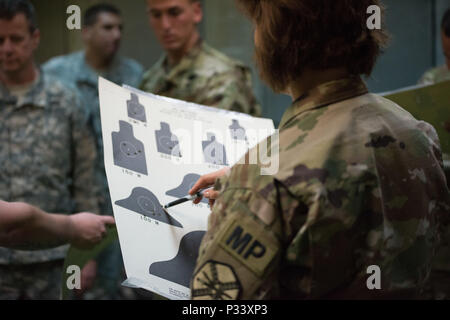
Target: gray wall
[[415, 45], [138, 40], [411, 48], [413, 25], [441, 7]]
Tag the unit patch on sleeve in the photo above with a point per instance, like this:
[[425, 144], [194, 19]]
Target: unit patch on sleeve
[[215, 281], [250, 244]]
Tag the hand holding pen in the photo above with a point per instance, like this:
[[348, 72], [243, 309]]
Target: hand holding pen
[[207, 181], [196, 193]]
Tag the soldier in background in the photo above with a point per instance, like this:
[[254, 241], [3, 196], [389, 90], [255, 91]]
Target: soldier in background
[[191, 70], [102, 34], [441, 73], [360, 189], [23, 226], [47, 153]]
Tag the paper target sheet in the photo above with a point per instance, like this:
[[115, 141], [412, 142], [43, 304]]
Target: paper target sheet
[[155, 149]]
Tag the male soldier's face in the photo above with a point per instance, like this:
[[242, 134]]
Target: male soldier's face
[[105, 35], [446, 47], [174, 22], [17, 44]]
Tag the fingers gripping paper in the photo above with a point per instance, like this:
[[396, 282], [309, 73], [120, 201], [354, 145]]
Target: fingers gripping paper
[[155, 150]]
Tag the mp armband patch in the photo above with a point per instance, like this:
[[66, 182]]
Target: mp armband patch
[[215, 281], [248, 243]]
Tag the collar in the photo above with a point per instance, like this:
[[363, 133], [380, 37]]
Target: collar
[[323, 95], [36, 96]]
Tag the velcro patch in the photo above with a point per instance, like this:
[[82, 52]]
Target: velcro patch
[[247, 243], [215, 281]]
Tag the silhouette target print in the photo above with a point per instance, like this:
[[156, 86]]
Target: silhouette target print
[[135, 109], [144, 202], [166, 142], [128, 151], [182, 190], [180, 268], [213, 151], [237, 132]]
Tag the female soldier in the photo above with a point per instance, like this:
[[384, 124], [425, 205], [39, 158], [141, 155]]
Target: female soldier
[[354, 209]]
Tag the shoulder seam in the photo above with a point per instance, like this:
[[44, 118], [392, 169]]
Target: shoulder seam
[[223, 57]]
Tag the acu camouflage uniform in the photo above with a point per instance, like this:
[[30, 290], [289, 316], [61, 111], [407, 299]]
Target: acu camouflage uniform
[[47, 159], [74, 70], [204, 76], [360, 183]]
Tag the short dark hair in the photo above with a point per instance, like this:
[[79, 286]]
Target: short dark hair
[[91, 14], [316, 34], [10, 8], [445, 25]]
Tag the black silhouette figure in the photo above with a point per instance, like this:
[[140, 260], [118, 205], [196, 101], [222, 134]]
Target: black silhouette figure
[[237, 132], [144, 202], [182, 190], [180, 268], [166, 142], [135, 109], [213, 151], [128, 151]]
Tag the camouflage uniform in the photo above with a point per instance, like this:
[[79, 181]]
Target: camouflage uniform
[[204, 76], [436, 75], [47, 159], [74, 70], [360, 183], [440, 278], [37, 281]]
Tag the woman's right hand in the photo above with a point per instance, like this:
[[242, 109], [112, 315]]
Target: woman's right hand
[[207, 181]]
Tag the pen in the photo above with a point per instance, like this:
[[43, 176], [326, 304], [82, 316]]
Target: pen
[[185, 199]]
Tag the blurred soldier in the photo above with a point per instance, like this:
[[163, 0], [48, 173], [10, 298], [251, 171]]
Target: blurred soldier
[[47, 153], [355, 209], [191, 70], [102, 34], [441, 73], [23, 226]]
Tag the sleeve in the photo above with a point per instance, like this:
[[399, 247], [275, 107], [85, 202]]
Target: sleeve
[[427, 78], [139, 75], [54, 67], [85, 186], [264, 242], [144, 81], [134, 74], [239, 254], [232, 90], [442, 205], [149, 79]]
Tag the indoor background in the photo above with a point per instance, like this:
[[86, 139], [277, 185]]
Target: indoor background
[[414, 26]]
